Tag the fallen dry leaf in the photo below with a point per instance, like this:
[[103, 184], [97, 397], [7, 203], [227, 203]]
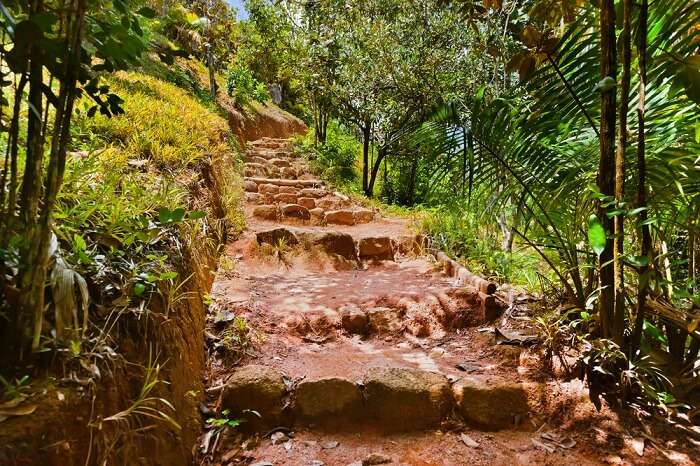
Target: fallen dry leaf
[[21, 410], [468, 441]]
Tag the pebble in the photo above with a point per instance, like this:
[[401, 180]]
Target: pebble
[[278, 437]]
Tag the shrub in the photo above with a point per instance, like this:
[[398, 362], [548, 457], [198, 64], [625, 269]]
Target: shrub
[[242, 86], [337, 158]]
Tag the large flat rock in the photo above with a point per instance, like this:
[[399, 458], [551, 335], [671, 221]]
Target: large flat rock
[[332, 242], [405, 399], [257, 388], [329, 400], [492, 403], [377, 248], [277, 235]]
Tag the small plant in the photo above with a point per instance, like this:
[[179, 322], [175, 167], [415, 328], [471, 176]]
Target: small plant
[[146, 406], [223, 421], [13, 389], [609, 370], [238, 338]]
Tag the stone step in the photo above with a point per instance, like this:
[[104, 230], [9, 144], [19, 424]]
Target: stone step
[[389, 398], [366, 248], [269, 154], [271, 171], [271, 144], [313, 183], [348, 217]]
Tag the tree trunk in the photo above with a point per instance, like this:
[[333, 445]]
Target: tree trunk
[[381, 153], [626, 45], [323, 126], [410, 195], [645, 234], [606, 166], [366, 134], [31, 274], [212, 76]]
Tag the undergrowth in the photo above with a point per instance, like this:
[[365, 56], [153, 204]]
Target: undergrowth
[[462, 235]]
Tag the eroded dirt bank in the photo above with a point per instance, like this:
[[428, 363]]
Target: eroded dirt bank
[[104, 418]]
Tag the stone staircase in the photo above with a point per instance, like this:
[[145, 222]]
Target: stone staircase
[[278, 183], [386, 338]]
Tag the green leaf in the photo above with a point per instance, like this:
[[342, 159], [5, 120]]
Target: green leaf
[[178, 215], [596, 235], [196, 214], [638, 261], [636, 211], [168, 275], [79, 242], [167, 216], [147, 12], [139, 289]]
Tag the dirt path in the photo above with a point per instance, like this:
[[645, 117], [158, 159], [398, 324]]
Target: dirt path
[[339, 340]]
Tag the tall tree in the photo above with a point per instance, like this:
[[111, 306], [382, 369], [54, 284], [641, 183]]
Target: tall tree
[[606, 163], [619, 228]]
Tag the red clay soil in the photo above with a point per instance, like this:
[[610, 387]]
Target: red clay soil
[[296, 299]]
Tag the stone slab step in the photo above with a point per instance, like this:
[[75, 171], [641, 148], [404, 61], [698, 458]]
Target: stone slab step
[[388, 398], [282, 182], [349, 217], [270, 154]]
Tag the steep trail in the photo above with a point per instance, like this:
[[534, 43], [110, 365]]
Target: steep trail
[[356, 342]]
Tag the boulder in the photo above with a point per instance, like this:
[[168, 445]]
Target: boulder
[[253, 198], [295, 211], [307, 202], [313, 192], [384, 320], [340, 217], [276, 235], [378, 248], [406, 399], [250, 186], [267, 212], [266, 188], [286, 198], [317, 212], [493, 404], [328, 203], [257, 388], [288, 190], [333, 242], [363, 216], [354, 320], [328, 400]]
